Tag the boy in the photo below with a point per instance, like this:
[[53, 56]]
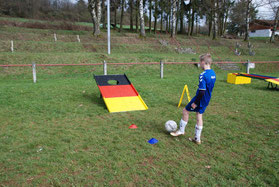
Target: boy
[[199, 103]]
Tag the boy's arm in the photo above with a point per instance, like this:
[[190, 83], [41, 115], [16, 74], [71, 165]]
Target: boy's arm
[[202, 88], [199, 97]]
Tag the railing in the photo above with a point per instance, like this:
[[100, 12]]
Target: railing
[[105, 64]]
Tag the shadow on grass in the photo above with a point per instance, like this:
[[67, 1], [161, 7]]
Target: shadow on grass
[[265, 88], [171, 103], [95, 98], [159, 128]]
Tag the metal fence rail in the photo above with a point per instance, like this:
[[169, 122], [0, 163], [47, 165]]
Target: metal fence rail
[[132, 63]]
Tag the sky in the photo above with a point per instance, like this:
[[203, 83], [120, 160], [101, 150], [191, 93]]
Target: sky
[[265, 11]]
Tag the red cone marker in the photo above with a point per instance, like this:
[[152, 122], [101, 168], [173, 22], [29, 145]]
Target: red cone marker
[[133, 126]]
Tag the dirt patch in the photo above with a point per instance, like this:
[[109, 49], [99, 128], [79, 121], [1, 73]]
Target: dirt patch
[[39, 25], [89, 47]]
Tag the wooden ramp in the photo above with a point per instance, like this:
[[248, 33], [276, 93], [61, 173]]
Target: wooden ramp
[[119, 94], [269, 79]]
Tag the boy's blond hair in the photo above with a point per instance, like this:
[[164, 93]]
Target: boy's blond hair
[[206, 58]]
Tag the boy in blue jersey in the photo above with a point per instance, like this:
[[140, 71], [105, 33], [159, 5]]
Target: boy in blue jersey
[[199, 103]]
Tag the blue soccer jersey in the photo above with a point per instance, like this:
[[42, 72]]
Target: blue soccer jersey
[[206, 82]]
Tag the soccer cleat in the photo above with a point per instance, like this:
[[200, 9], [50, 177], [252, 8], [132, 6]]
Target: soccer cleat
[[195, 141], [177, 133]]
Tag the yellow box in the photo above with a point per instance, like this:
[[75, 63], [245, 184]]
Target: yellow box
[[235, 79]]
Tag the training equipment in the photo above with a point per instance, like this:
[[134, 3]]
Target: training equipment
[[171, 126], [269, 79], [185, 89], [234, 78], [133, 126], [119, 94], [153, 141]]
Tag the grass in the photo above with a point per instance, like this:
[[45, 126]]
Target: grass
[[58, 131]]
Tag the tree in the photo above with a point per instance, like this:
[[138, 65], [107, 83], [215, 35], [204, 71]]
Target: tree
[[214, 7], [122, 14], [181, 16], [116, 4], [227, 5], [189, 17], [274, 4], [94, 7], [103, 18], [81, 10], [155, 14], [150, 14], [131, 15], [174, 10], [142, 29], [238, 17], [247, 19], [137, 15], [275, 25], [162, 7]]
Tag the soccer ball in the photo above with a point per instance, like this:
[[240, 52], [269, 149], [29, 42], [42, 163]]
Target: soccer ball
[[171, 126]]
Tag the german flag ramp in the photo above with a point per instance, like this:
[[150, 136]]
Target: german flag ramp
[[119, 94]]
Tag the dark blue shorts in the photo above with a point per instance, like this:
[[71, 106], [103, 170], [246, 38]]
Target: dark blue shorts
[[197, 109]]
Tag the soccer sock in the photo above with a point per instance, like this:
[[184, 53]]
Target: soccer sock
[[182, 125], [198, 131]]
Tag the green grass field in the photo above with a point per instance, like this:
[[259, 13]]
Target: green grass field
[[58, 131]]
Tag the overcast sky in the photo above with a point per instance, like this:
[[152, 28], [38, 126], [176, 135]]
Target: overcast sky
[[265, 11]]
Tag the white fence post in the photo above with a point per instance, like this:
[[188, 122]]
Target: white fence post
[[12, 46], [55, 38], [248, 66], [34, 72], [161, 69], [78, 39], [105, 67]]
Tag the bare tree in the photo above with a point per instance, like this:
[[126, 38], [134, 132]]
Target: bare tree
[[155, 16], [215, 17], [150, 14], [193, 16], [116, 4], [275, 23], [247, 20], [95, 10], [174, 10], [137, 15], [142, 29], [189, 17], [122, 14], [103, 19], [131, 15], [181, 16]]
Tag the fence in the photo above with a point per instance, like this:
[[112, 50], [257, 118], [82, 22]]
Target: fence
[[105, 64]]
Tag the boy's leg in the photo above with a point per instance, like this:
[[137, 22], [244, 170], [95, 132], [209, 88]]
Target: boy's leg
[[184, 120], [198, 128], [182, 124], [185, 115]]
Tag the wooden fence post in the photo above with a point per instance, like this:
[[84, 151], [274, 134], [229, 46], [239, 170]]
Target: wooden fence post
[[34, 72], [55, 38], [161, 69], [78, 39], [12, 46]]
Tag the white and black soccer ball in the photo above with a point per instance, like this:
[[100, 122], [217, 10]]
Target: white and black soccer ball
[[170, 126]]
